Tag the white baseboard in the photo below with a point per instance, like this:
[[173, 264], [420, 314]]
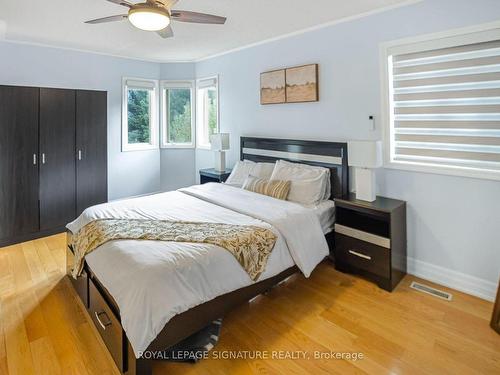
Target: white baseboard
[[452, 279]]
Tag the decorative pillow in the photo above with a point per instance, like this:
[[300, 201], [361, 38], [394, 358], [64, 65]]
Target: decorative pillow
[[315, 188], [263, 170], [273, 188], [240, 173]]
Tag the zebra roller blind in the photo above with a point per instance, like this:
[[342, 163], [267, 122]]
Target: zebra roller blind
[[445, 105]]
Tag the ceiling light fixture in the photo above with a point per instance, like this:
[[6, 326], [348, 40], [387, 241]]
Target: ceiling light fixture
[[148, 18], [155, 15]]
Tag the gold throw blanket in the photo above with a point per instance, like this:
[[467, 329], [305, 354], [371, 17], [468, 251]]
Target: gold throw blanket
[[250, 245]]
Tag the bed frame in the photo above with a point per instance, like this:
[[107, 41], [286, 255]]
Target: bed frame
[[104, 310]]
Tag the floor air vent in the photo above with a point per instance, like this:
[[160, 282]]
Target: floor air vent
[[430, 290]]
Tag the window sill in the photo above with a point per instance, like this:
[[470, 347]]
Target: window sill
[[139, 147], [204, 147], [484, 174], [174, 146]]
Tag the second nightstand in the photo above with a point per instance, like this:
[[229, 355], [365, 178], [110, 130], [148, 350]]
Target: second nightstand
[[211, 175], [495, 318], [370, 239]]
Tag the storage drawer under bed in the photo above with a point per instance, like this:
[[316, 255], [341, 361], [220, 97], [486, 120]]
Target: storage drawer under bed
[[108, 325]]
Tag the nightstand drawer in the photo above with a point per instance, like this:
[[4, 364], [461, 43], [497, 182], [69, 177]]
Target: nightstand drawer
[[206, 179], [362, 255]]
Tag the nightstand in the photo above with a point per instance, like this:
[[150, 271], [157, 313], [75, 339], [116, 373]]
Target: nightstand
[[211, 175], [370, 239], [495, 318]]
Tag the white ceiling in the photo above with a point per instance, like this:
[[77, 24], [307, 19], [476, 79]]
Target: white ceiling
[[60, 23]]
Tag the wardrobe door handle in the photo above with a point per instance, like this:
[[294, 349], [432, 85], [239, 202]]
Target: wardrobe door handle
[[43, 158], [79, 154], [34, 159]]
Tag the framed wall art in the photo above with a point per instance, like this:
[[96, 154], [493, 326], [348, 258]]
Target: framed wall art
[[302, 84], [272, 87]]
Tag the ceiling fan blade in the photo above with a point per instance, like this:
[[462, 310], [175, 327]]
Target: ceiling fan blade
[[170, 3], [167, 32], [187, 16], [164, 3], [121, 2], [108, 19]]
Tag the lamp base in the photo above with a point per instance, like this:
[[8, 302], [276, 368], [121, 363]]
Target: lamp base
[[365, 184], [220, 161]]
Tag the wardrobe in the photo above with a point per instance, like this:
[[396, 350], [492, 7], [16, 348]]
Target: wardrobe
[[53, 158]]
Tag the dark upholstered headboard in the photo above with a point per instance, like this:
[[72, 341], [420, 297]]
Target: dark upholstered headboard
[[332, 155]]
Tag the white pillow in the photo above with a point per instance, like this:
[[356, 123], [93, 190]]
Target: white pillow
[[245, 168], [315, 185], [263, 170], [240, 173], [308, 192]]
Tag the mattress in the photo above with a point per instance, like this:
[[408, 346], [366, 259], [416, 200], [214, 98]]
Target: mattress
[[325, 211]]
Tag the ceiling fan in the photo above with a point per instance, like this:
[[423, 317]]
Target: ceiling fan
[[155, 15]]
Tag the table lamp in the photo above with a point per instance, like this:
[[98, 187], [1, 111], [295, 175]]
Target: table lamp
[[220, 143], [365, 156]]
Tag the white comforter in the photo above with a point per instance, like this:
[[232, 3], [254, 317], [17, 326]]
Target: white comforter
[[152, 281]]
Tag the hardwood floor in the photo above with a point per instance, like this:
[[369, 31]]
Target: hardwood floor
[[44, 329]]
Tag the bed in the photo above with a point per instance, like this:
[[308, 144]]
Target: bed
[[155, 320]]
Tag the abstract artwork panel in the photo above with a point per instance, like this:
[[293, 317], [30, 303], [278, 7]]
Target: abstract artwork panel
[[272, 87], [302, 84]]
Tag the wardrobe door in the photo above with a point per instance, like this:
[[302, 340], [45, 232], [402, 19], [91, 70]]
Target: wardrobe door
[[57, 154], [91, 145], [18, 161]]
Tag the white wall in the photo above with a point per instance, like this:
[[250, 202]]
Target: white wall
[[453, 222], [129, 173], [177, 165]]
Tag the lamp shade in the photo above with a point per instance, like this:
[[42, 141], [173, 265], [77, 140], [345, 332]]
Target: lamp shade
[[219, 141], [148, 18], [364, 154]]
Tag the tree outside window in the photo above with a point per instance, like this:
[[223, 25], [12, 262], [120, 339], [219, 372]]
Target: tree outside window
[[138, 106], [177, 114], [139, 114]]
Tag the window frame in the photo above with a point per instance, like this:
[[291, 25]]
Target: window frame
[[438, 40], [153, 110], [199, 86], [181, 84]]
